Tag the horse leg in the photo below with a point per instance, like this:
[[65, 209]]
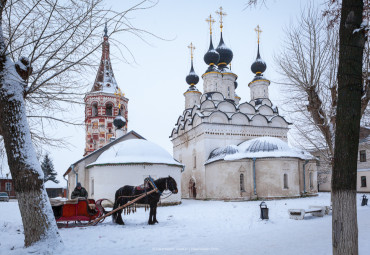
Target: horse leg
[[117, 216], [155, 215], [151, 212]]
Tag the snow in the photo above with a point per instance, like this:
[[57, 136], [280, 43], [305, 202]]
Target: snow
[[262, 147], [135, 151], [52, 185], [197, 227]]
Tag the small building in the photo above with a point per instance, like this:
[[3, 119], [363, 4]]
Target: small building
[[324, 167], [126, 161], [55, 189], [6, 185]]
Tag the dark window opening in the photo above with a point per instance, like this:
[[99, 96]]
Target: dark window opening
[[95, 110], [286, 181], [242, 182], [109, 110], [363, 181], [363, 156]]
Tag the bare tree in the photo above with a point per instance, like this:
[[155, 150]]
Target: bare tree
[[45, 46], [351, 102]]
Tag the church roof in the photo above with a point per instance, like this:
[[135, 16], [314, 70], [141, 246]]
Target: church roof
[[105, 81], [262, 147], [135, 151], [104, 148]]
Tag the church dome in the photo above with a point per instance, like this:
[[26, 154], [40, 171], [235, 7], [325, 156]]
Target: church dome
[[258, 66], [261, 147], [226, 55], [135, 151], [192, 78], [120, 121], [212, 57]]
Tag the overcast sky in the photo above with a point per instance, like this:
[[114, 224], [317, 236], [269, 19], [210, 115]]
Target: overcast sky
[[155, 84]]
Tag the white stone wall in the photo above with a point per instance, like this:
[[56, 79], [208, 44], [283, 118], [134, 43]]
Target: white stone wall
[[192, 98], [223, 178], [212, 82], [259, 89], [107, 179]]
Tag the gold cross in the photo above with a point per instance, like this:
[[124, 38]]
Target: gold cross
[[119, 94], [210, 21], [192, 48], [221, 13], [258, 30]]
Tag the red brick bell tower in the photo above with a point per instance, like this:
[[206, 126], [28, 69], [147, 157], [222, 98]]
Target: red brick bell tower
[[102, 104]]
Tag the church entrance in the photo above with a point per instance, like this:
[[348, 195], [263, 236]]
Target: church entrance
[[192, 189]]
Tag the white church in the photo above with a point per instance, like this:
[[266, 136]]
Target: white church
[[233, 149]]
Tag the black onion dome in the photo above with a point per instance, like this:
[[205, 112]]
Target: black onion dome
[[212, 56], [119, 122], [192, 78], [235, 84], [226, 55], [258, 66]]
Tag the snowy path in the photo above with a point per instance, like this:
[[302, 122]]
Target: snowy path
[[199, 227]]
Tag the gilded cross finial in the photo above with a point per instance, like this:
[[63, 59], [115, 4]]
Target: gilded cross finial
[[221, 13], [119, 94], [258, 30], [192, 48], [210, 21]]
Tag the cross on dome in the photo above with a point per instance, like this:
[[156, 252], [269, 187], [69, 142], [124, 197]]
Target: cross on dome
[[259, 31], [119, 94], [221, 14], [210, 21], [192, 48]]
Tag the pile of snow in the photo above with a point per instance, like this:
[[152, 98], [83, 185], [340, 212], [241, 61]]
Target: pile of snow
[[135, 151], [197, 227], [261, 147]]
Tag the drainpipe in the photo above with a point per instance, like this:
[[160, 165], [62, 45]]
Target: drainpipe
[[73, 170], [67, 185], [304, 176], [254, 176]]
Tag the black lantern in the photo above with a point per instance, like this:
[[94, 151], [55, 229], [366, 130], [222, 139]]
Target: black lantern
[[364, 200], [264, 211]]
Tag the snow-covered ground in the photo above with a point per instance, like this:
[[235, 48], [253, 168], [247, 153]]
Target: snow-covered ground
[[198, 227]]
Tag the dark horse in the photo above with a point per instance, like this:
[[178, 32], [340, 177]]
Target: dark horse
[[128, 193]]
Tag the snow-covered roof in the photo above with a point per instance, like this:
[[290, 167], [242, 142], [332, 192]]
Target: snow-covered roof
[[262, 147], [52, 185], [135, 151]]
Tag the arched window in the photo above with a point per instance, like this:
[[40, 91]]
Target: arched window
[[122, 111], [94, 109], [286, 181], [242, 183], [109, 109], [311, 180], [195, 159]]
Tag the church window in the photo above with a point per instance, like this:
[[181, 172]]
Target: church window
[[311, 180], [242, 183], [8, 186], [109, 109], [286, 181], [195, 162], [94, 109], [228, 91]]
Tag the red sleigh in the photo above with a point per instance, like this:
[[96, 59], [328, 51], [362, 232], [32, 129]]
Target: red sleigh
[[77, 212]]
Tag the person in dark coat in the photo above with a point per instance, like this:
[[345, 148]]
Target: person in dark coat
[[79, 191]]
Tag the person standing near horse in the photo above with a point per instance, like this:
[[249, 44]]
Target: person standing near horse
[[79, 191]]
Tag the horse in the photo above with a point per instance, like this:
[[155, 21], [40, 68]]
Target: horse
[[128, 193]]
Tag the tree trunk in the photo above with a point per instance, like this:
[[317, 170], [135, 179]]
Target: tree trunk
[[38, 219], [345, 231], [37, 215]]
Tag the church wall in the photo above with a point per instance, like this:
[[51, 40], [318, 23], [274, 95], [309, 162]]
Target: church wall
[[107, 179], [223, 180], [228, 87], [311, 185], [270, 177]]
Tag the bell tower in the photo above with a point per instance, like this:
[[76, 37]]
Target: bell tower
[[103, 104]]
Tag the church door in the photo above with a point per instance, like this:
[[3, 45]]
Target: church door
[[192, 189]]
